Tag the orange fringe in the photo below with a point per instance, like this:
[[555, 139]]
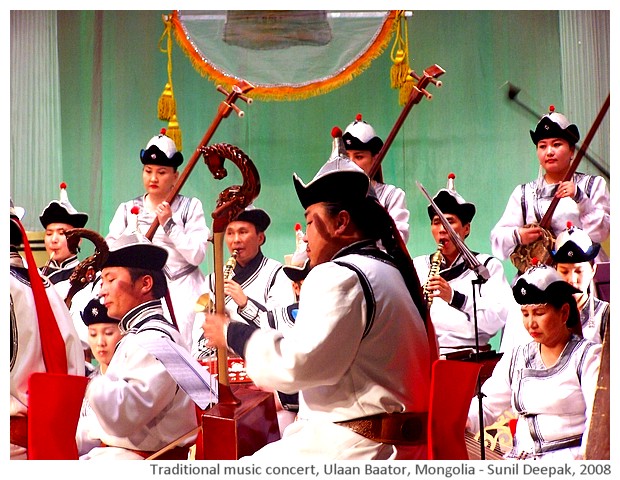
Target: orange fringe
[[288, 92]]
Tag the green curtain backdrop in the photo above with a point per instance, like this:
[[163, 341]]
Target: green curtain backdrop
[[111, 74]]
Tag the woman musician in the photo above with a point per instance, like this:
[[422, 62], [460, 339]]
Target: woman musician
[[584, 200], [550, 382]]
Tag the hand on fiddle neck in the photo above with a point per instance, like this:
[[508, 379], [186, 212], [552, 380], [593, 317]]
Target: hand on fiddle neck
[[214, 328]]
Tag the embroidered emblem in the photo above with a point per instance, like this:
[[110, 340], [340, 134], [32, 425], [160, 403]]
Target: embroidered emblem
[[523, 291], [95, 312]]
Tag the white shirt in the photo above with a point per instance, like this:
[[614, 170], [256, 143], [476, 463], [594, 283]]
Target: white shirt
[[138, 405], [349, 355], [454, 321], [553, 404], [528, 205], [185, 237]]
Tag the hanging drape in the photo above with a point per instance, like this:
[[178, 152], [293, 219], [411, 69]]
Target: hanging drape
[[286, 54], [36, 151], [584, 46]]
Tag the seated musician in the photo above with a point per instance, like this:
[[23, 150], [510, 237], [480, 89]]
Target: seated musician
[[550, 382], [450, 289], [139, 407], [573, 256], [358, 353], [57, 217], [363, 145], [256, 283], [103, 336], [584, 200]]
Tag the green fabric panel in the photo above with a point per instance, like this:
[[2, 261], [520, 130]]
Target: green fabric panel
[[469, 127]]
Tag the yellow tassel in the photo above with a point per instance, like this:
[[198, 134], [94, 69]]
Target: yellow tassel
[[399, 69], [166, 106], [174, 132], [400, 53], [405, 92]]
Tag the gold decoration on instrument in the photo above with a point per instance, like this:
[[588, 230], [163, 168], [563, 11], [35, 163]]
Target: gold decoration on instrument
[[436, 260], [522, 255], [230, 265], [497, 438]]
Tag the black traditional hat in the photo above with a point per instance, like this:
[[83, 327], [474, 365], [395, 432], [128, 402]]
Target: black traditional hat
[[541, 283], [449, 201], [338, 180], [136, 251], [555, 125], [161, 150], [573, 245], [61, 211], [360, 135], [255, 216], [95, 312]]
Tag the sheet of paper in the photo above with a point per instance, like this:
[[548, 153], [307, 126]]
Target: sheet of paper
[[190, 375]]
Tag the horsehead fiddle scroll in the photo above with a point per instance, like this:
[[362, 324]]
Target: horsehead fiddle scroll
[[87, 269], [230, 203]]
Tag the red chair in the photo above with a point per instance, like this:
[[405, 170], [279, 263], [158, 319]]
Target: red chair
[[453, 385], [54, 404]]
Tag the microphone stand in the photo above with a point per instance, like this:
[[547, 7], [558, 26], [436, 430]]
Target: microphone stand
[[482, 275]]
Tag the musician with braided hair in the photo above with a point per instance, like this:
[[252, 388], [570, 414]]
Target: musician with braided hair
[[358, 352]]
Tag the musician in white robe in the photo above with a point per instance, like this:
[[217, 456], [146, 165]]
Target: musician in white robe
[[140, 409], [26, 353], [103, 336], [584, 200], [363, 145], [550, 382], [257, 283], [451, 288], [182, 230], [56, 218], [358, 352], [573, 256]]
